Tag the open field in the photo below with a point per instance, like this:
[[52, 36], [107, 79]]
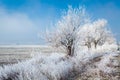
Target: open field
[[14, 53], [10, 54], [54, 66]]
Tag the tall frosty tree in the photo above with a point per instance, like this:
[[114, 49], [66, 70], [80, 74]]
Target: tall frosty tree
[[65, 35]]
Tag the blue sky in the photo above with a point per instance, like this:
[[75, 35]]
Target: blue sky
[[22, 21]]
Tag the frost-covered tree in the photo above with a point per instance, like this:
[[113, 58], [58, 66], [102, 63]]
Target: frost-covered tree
[[101, 34], [75, 27], [85, 35], [67, 27], [96, 33]]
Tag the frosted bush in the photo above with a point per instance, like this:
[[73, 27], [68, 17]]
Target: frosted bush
[[57, 66]]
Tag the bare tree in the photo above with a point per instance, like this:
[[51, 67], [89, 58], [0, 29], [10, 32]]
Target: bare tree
[[67, 28]]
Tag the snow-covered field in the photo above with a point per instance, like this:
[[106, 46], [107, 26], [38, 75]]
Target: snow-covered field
[[10, 54], [96, 65]]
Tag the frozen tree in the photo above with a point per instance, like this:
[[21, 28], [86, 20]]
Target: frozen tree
[[67, 27], [75, 27], [96, 33], [101, 34], [85, 35]]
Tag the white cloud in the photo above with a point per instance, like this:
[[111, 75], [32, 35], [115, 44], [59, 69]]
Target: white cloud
[[17, 27], [15, 22]]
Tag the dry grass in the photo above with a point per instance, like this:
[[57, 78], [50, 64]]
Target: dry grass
[[96, 74], [87, 70]]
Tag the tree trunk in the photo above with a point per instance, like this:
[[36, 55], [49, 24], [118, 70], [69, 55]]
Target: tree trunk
[[89, 45], [70, 50], [95, 44]]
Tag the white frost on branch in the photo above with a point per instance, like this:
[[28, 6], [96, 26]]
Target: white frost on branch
[[65, 35], [96, 34]]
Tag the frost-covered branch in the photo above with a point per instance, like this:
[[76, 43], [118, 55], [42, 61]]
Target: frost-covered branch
[[96, 34], [67, 27]]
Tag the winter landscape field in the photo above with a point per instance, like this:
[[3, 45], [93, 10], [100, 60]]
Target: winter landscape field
[[10, 54], [59, 40], [97, 64]]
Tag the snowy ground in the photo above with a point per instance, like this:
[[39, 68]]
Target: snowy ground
[[10, 54], [58, 66]]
